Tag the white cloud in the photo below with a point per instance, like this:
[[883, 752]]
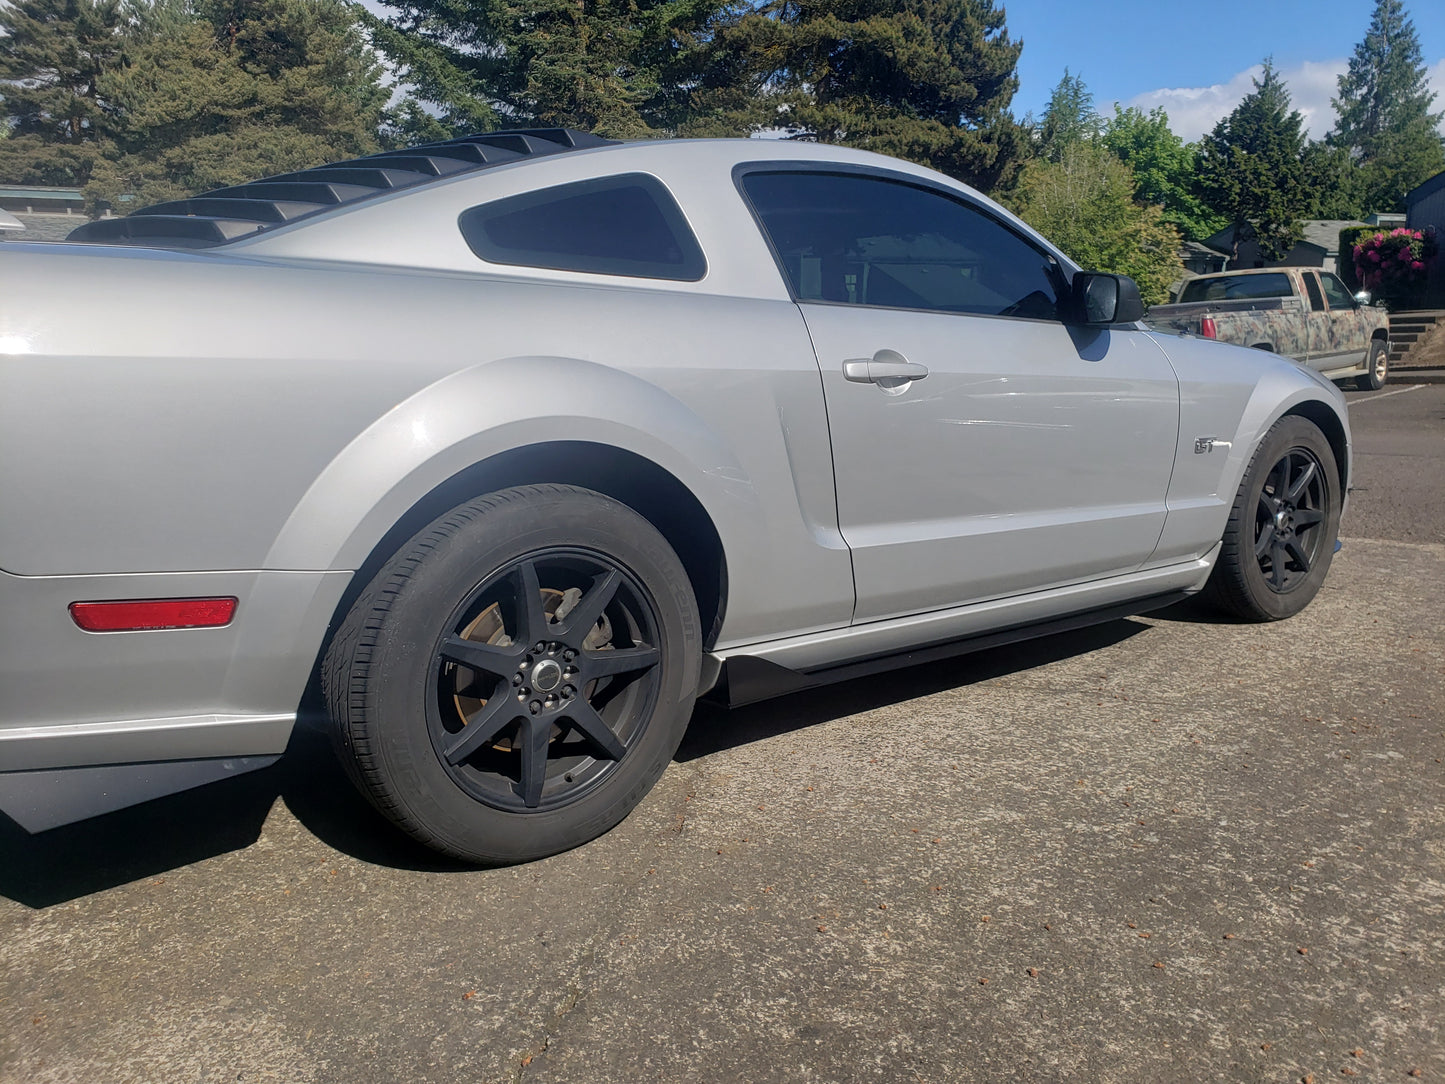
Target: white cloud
[[1194, 111]]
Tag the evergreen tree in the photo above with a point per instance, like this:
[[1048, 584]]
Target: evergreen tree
[[1333, 181], [1085, 204], [1251, 170], [620, 68], [1163, 169], [925, 80], [250, 88], [1383, 110], [53, 54], [1069, 118]]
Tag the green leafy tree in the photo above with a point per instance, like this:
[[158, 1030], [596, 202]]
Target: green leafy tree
[[620, 68], [1163, 168], [1383, 111], [53, 56], [1069, 118], [249, 89], [1251, 167], [926, 80], [1085, 204]]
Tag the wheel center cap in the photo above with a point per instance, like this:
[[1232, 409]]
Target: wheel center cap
[[546, 676], [1281, 519]]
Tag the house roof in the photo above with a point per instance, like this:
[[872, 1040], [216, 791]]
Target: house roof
[[1427, 188], [1325, 232]]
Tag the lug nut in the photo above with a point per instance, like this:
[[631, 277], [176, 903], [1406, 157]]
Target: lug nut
[[535, 706], [539, 647], [569, 654], [568, 693], [517, 679]]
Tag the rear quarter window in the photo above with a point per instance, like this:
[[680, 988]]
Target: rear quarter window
[[1236, 289], [624, 225]]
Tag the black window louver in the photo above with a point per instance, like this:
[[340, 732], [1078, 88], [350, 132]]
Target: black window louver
[[228, 214]]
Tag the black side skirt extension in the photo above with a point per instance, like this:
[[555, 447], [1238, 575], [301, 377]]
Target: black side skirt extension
[[746, 679]]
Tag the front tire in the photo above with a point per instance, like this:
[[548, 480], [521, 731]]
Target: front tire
[[1281, 533], [1377, 367], [515, 680]]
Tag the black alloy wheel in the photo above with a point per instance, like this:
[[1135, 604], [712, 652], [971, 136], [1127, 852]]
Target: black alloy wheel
[[1280, 536], [1289, 520], [544, 676], [517, 677]]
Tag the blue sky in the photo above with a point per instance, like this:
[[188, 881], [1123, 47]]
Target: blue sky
[[1195, 58]]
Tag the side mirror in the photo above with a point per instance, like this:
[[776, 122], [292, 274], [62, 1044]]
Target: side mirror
[[1363, 297], [1106, 299]]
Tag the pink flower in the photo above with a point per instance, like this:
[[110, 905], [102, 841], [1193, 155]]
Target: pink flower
[[1404, 255], [1417, 266], [1375, 256], [1379, 237]]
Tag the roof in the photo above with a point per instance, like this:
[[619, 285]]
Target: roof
[[1325, 232], [244, 210], [1427, 188]]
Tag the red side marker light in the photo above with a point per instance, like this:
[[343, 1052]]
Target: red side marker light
[[1207, 330], [134, 615]]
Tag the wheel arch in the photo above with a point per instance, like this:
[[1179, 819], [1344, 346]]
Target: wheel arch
[[1328, 422], [648, 489]]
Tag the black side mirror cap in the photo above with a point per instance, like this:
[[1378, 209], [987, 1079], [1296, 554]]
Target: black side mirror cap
[[1100, 299]]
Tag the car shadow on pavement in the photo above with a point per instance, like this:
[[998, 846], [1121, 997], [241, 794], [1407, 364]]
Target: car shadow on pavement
[[162, 835]]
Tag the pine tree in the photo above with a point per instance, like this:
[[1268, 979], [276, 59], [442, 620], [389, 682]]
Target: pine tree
[[1383, 110], [925, 80], [1251, 170], [1163, 169], [1069, 118], [618, 68], [250, 89], [53, 54]]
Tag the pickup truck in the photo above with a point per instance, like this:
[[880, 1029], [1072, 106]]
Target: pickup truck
[[1306, 314]]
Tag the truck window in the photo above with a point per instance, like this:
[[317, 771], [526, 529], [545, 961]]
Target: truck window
[[1312, 287], [1243, 287], [1340, 299]]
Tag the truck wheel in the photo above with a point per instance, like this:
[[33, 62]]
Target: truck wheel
[[1377, 367], [1281, 534], [518, 676]]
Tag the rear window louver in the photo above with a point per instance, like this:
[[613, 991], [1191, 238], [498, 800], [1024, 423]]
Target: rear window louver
[[228, 214]]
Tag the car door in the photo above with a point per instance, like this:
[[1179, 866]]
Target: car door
[[1317, 320], [1348, 337], [982, 447]]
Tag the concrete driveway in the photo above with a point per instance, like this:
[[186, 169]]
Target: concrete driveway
[[1163, 849]]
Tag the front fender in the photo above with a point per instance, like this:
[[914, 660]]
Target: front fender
[[1230, 396]]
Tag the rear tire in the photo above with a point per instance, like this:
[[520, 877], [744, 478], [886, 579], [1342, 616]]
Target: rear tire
[[1281, 534], [517, 677], [1377, 368]]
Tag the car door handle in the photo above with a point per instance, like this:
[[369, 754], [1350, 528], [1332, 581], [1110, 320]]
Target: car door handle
[[886, 367]]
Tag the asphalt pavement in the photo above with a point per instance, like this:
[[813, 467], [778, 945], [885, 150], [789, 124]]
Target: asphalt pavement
[[1164, 849]]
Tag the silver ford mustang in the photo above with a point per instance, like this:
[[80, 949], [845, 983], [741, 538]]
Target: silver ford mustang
[[517, 444]]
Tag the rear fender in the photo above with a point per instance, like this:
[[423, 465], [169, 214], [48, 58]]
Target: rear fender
[[480, 412]]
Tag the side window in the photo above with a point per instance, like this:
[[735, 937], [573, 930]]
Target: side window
[[1337, 293], [1312, 287], [623, 225], [868, 241]]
